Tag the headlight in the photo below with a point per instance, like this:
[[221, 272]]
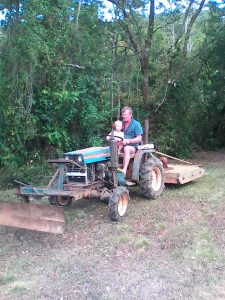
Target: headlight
[[67, 157], [79, 159]]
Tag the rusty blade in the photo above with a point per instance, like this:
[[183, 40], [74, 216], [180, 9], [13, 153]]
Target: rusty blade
[[32, 216]]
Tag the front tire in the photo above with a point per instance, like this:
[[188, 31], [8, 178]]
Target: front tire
[[118, 203], [152, 178]]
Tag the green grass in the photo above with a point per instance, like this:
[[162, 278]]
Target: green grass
[[6, 278], [160, 226], [123, 228], [72, 214], [143, 242], [203, 247], [19, 289], [124, 238]]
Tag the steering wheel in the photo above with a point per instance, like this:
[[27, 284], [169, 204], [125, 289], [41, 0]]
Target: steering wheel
[[115, 136]]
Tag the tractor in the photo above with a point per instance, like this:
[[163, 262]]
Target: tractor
[[93, 172]]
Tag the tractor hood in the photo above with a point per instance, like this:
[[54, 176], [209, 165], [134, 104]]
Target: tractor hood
[[90, 155]]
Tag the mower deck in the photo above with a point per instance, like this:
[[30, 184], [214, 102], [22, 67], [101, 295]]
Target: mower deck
[[180, 174]]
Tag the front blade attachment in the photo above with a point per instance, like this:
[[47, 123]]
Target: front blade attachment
[[37, 217]]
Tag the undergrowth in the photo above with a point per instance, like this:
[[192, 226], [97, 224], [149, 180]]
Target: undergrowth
[[32, 173]]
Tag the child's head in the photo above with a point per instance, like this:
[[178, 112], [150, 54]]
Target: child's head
[[118, 125]]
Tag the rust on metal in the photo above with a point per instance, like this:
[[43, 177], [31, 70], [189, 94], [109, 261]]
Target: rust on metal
[[79, 194], [32, 216]]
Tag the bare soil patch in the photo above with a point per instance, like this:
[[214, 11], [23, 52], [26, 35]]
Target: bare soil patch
[[171, 248]]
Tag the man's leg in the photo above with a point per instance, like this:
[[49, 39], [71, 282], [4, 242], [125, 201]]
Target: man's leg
[[128, 151]]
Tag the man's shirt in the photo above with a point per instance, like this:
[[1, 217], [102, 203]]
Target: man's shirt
[[133, 130]]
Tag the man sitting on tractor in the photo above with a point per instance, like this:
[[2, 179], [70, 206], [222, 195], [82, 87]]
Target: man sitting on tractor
[[132, 136]]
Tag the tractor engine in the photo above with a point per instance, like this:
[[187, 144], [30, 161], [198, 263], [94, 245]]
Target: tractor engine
[[101, 169], [89, 165]]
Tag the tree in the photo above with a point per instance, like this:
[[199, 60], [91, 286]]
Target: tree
[[140, 35], [141, 44]]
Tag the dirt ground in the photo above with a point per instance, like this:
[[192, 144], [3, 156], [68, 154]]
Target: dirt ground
[[169, 248]]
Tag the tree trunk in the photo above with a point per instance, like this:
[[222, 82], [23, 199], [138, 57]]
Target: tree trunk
[[141, 49], [78, 13], [145, 91], [111, 81]]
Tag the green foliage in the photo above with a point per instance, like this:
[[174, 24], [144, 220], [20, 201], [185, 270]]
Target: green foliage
[[49, 101], [212, 105], [32, 173], [174, 132]]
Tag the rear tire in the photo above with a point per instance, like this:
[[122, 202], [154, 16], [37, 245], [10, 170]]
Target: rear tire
[[152, 178], [118, 203], [60, 200]]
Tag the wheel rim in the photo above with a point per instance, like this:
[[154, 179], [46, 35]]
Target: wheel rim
[[122, 204], [156, 179], [63, 200]]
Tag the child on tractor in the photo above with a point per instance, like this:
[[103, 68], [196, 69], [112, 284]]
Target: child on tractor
[[118, 134]]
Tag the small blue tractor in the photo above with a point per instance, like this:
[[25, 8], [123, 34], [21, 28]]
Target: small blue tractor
[[94, 172]]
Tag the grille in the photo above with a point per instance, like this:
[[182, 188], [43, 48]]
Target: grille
[[76, 170]]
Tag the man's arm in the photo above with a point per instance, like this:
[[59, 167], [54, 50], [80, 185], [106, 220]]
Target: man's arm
[[136, 140]]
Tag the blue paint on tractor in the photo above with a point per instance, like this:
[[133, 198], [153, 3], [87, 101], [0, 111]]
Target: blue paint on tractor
[[92, 154], [98, 159], [121, 179]]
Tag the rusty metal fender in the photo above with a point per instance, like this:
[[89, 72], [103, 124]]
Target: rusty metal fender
[[137, 162]]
